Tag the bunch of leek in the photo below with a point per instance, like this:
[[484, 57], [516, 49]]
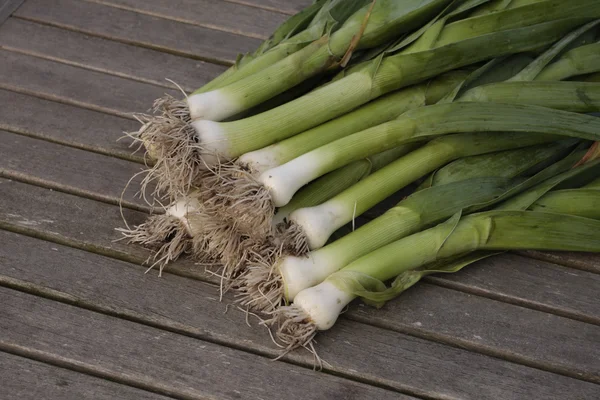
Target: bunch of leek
[[351, 101], [447, 247]]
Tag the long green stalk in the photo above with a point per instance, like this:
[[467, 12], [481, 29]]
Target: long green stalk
[[318, 223], [485, 83], [339, 180], [233, 139], [569, 96], [377, 112], [422, 124], [409, 216], [582, 202], [290, 36], [385, 19], [578, 61], [527, 200], [507, 164], [266, 287], [318, 307]]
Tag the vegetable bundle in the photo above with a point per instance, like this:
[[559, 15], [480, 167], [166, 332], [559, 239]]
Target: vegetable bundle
[[479, 107]]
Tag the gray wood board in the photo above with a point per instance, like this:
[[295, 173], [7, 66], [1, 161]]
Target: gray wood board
[[139, 29], [584, 261], [76, 221], [107, 56], [7, 7], [219, 15], [78, 86], [67, 124], [285, 6], [165, 362], [351, 349], [72, 170], [25, 379], [533, 283]]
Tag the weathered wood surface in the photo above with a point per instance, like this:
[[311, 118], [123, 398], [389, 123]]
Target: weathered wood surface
[[285, 6], [495, 327], [219, 15], [139, 29], [73, 85], [532, 283], [584, 261], [510, 327], [72, 220], [67, 124], [411, 362], [26, 379], [73, 170], [165, 362], [7, 8], [107, 56]]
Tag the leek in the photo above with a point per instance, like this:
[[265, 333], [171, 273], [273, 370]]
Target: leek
[[318, 307], [264, 288]]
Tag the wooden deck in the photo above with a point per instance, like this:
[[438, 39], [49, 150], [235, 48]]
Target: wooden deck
[[79, 319]]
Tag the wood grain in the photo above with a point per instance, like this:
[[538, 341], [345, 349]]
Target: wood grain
[[219, 15], [283, 6], [107, 56], [586, 262], [77, 86], [76, 221], [533, 283], [527, 336], [7, 7], [25, 379], [165, 362], [66, 124], [139, 29], [121, 291], [71, 170]]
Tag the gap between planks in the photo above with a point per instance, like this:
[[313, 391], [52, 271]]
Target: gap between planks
[[26, 378], [265, 5], [158, 14], [161, 353]]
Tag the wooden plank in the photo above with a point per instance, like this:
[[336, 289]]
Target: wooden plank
[[38, 212], [104, 55], [219, 15], [586, 262], [76, 221], [77, 86], [26, 379], [168, 363], [139, 29], [7, 7], [532, 283], [283, 6], [66, 124], [350, 349], [493, 327], [71, 170]]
